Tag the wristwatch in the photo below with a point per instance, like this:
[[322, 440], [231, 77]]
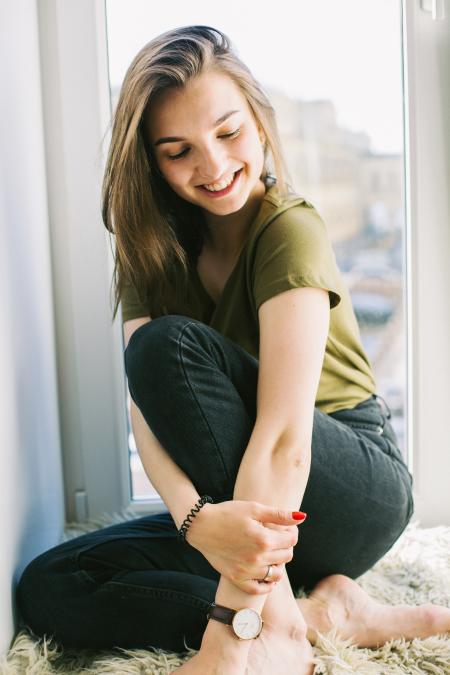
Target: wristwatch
[[246, 623]]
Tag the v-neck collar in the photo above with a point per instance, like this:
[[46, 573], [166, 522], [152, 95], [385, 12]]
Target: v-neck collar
[[205, 293], [215, 305]]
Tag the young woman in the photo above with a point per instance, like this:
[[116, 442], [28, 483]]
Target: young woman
[[250, 388]]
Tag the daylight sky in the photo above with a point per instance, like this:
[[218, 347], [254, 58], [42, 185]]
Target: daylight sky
[[347, 51]]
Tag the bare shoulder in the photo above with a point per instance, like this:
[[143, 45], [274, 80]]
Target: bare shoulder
[[130, 326]]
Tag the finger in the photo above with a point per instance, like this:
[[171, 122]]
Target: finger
[[275, 575], [281, 540], [278, 560], [281, 528], [273, 514], [256, 587], [279, 557]]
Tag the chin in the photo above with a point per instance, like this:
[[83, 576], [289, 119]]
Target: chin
[[226, 207]]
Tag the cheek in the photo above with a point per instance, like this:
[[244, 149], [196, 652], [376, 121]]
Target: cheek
[[255, 155], [248, 145], [174, 173], [252, 147]]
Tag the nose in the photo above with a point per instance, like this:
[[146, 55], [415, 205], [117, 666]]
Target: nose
[[212, 164]]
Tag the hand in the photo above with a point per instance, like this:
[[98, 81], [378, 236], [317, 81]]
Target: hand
[[237, 539]]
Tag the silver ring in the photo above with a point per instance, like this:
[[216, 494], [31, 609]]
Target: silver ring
[[269, 573]]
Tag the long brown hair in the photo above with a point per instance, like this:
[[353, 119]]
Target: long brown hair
[[157, 233]]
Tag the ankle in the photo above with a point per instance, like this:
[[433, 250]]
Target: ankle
[[317, 616], [281, 612], [293, 628], [221, 640], [298, 632]]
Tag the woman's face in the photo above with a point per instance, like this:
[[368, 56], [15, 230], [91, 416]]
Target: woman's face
[[202, 135]]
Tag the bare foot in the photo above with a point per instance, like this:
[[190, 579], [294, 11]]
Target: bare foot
[[203, 664], [275, 651], [339, 602], [191, 666]]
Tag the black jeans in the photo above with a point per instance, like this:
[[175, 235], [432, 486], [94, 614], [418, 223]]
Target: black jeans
[[134, 584]]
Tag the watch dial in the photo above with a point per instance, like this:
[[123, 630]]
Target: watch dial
[[247, 623]]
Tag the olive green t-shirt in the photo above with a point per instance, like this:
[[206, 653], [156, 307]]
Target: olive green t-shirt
[[287, 246]]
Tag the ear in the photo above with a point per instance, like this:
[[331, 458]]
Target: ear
[[262, 135]]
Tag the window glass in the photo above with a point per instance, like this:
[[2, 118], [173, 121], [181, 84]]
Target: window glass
[[333, 72]]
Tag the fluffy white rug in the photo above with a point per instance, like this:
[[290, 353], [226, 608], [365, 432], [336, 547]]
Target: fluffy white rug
[[415, 570]]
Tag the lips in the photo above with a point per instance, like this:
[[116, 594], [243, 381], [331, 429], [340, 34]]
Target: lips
[[213, 194], [218, 181]]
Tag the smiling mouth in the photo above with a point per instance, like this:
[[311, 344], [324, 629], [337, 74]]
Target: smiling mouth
[[224, 190]]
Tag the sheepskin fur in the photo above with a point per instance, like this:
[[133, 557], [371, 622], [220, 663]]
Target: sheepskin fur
[[414, 571]]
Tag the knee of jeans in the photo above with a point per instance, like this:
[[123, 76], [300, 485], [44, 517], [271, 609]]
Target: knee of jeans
[[151, 342]]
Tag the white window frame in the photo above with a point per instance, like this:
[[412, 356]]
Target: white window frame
[[426, 54], [92, 384]]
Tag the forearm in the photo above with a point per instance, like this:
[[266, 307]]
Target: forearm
[[272, 473], [162, 471]]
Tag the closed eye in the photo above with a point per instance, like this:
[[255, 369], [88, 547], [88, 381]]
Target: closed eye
[[233, 134]]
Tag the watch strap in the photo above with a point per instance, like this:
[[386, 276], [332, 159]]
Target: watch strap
[[221, 613]]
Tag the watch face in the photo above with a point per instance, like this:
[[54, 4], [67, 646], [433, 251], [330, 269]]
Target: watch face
[[247, 623]]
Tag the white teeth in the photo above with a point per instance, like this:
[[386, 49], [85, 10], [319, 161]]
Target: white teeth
[[215, 187]]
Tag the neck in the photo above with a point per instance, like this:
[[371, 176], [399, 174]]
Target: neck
[[225, 235]]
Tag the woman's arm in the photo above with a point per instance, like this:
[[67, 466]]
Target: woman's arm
[[221, 532], [161, 470], [241, 522], [275, 468], [175, 488]]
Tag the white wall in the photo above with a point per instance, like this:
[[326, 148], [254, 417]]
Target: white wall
[[31, 494], [76, 104]]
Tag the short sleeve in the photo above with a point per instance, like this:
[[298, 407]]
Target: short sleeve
[[294, 250], [132, 307]]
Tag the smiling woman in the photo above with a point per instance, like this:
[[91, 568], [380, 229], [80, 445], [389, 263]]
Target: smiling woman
[[246, 404], [177, 142], [215, 165]]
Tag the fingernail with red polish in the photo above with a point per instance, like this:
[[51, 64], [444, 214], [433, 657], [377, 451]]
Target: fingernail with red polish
[[299, 515]]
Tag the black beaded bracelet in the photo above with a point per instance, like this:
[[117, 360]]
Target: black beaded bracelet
[[189, 518]]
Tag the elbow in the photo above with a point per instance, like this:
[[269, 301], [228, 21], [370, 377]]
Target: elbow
[[296, 451]]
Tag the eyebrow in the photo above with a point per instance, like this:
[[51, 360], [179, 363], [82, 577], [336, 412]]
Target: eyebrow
[[176, 139]]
